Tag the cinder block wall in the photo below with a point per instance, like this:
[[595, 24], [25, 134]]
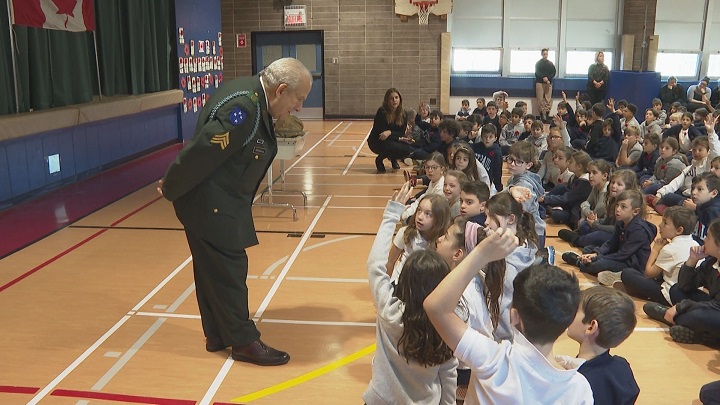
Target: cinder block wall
[[373, 49]]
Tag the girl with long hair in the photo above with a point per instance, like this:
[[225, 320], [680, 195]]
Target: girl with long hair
[[412, 364]]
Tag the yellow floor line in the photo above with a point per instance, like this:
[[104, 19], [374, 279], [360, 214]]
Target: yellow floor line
[[306, 377]]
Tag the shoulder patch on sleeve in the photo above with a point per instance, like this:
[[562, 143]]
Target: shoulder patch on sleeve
[[237, 116]]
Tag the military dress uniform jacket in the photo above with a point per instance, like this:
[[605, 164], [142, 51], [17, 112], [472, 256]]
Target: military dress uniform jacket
[[214, 178]]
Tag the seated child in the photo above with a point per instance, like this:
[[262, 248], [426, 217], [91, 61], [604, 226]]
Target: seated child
[[651, 125], [516, 372], [538, 138], [408, 367], [465, 161], [427, 224], [464, 111], [667, 255], [662, 114], [705, 189], [512, 130], [597, 229], [704, 150], [473, 198], [580, 134], [685, 132], [604, 320], [594, 207], [421, 152], [492, 116], [669, 165], [630, 149], [521, 158], [605, 136], [695, 316], [435, 168], [645, 165], [480, 109], [528, 120], [523, 105], [549, 171], [564, 202], [453, 183], [629, 246], [488, 153], [628, 117]]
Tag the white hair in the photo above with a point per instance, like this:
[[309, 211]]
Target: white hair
[[286, 70]]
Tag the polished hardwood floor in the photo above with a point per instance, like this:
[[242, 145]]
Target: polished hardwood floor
[[100, 308]]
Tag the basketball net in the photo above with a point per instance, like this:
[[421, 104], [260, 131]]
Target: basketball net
[[423, 12]]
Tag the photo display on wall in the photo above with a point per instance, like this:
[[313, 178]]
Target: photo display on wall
[[200, 65]]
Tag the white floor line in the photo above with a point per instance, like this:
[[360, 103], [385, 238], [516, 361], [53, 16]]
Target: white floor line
[[166, 315], [652, 329], [128, 355], [275, 265], [226, 367], [357, 152], [320, 323], [291, 260], [329, 279], [206, 400], [303, 155], [339, 134], [48, 388]]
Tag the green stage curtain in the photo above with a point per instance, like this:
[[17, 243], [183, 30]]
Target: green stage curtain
[[57, 68]]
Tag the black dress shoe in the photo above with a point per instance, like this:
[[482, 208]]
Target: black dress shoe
[[215, 344], [259, 353], [379, 164], [395, 164]]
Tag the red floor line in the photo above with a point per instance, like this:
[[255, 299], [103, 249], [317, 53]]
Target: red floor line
[[77, 245], [11, 389], [133, 399]]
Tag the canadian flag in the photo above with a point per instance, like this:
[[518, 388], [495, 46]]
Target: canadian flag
[[66, 15]]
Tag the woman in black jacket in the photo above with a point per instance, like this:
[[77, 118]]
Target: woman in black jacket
[[387, 136]]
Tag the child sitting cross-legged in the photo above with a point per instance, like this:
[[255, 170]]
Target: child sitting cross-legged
[[524, 371], [412, 365], [705, 191], [564, 202], [695, 315], [628, 247], [667, 255], [606, 318]]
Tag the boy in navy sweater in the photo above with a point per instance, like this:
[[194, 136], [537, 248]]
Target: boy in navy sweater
[[705, 189], [605, 136], [489, 154], [645, 165], [605, 318]]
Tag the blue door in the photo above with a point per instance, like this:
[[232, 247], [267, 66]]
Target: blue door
[[306, 46]]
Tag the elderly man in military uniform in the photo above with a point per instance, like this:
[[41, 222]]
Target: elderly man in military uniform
[[212, 183]]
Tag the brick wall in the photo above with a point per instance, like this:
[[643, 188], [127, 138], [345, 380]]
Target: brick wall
[[374, 50], [633, 22]]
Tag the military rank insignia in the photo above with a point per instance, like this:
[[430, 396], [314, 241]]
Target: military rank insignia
[[237, 116], [223, 140]]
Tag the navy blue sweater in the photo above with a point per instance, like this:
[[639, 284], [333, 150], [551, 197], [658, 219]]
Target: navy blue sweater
[[629, 244], [706, 213], [611, 379], [491, 159], [579, 191], [646, 164]]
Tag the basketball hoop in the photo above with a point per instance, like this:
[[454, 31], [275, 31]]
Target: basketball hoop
[[424, 10]]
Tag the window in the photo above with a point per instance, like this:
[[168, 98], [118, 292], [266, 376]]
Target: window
[[714, 66], [578, 62], [677, 64], [476, 60], [524, 61]]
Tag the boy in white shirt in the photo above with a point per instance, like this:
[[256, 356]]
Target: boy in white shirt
[[523, 371], [667, 255]]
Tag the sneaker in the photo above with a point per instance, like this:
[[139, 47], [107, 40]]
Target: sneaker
[[568, 236], [461, 392], [682, 334], [656, 311], [571, 258], [408, 161], [608, 278], [550, 255]]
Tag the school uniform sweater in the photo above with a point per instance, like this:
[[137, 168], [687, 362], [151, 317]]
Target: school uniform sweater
[[491, 160], [705, 275], [579, 190], [604, 147], [645, 165], [667, 169], [706, 212], [395, 380], [629, 244], [595, 202], [610, 377]]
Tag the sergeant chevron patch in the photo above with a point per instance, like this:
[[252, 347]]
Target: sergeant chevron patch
[[223, 140]]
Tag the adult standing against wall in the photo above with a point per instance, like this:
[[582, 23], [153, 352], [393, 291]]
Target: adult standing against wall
[[598, 77], [672, 92], [544, 75], [212, 183], [389, 127]]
